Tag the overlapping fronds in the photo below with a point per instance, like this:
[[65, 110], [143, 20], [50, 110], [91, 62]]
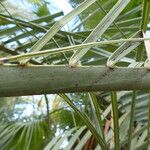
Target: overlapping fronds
[[108, 34]]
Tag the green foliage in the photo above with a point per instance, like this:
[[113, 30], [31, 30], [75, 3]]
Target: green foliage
[[42, 10], [64, 118], [36, 2], [23, 135], [86, 119]]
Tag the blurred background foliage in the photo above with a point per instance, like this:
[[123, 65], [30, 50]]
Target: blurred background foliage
[[46, 121]]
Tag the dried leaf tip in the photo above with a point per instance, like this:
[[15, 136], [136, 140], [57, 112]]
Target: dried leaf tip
[[73, 65], [147, 65], [110, 64]]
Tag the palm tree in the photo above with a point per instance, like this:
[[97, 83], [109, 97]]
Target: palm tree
[[105, 49]]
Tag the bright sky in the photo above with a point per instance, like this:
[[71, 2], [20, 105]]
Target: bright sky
[[61, 5], [56, 4], [54, 7]]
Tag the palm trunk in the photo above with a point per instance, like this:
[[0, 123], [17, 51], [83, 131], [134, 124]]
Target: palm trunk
[[31, 80]]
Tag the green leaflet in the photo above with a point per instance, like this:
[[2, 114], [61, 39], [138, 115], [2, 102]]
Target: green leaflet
[[123, 50], [68, 48], [87, 122], [147, 46], [132, 113], [100, 29], [115, 120], [145, 14], [58, 25]]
